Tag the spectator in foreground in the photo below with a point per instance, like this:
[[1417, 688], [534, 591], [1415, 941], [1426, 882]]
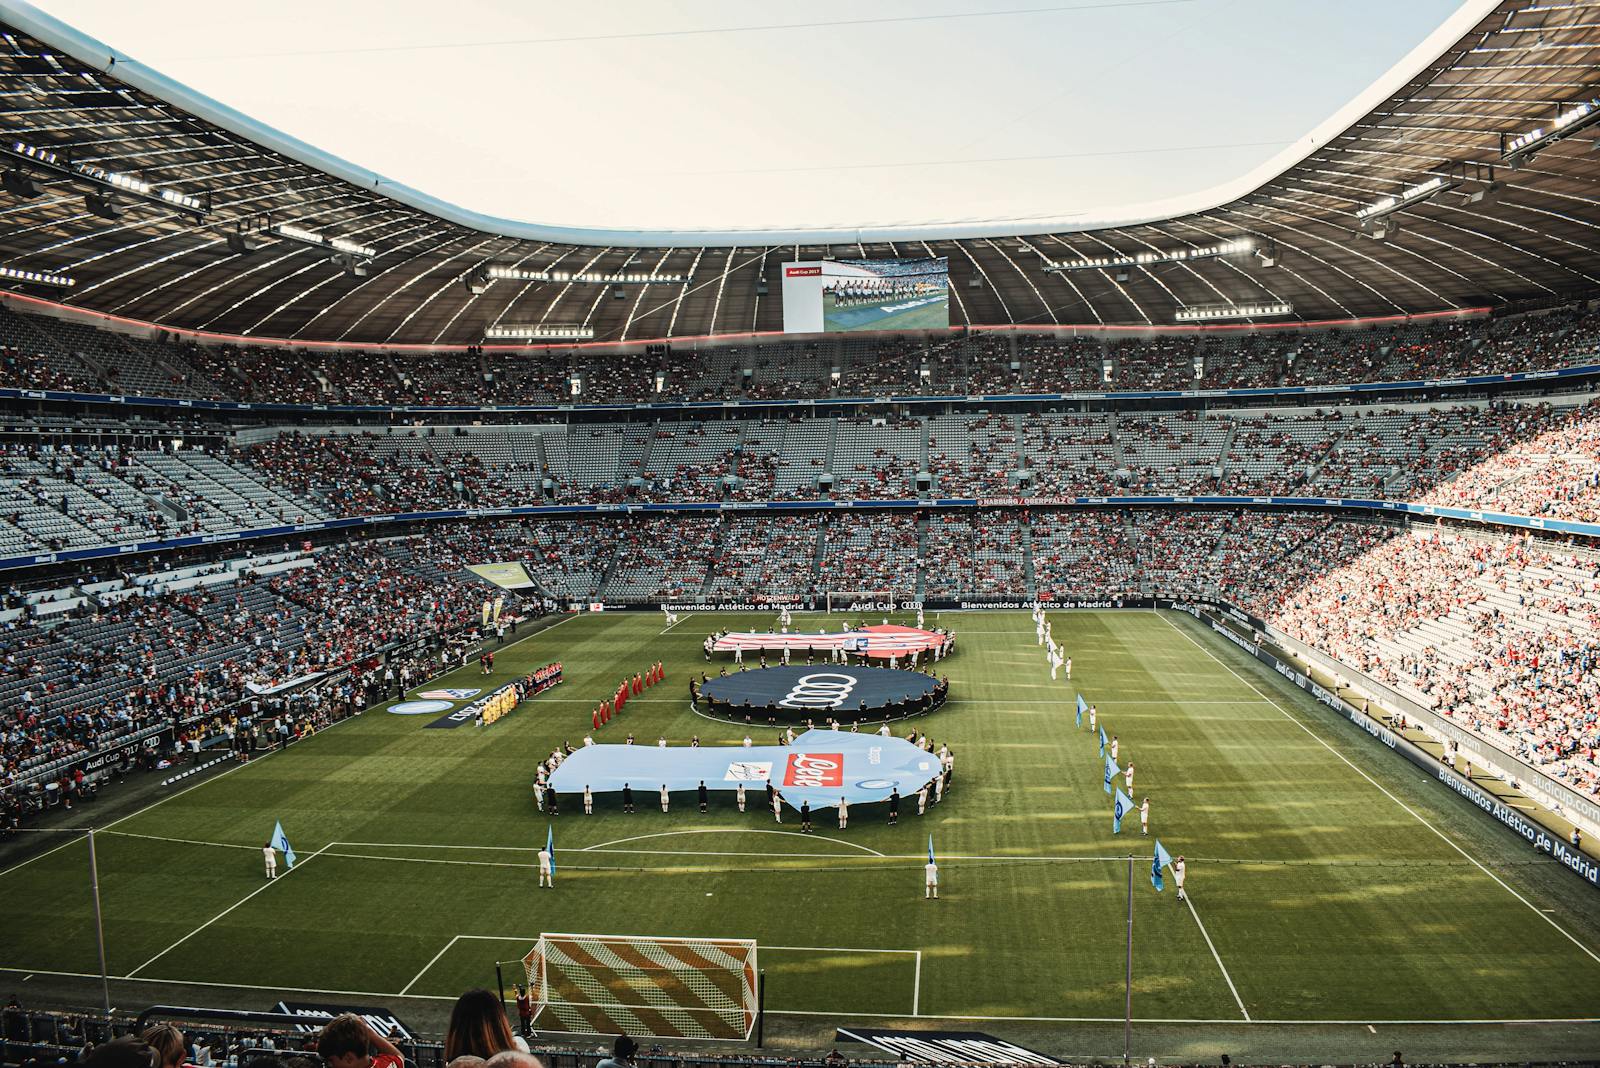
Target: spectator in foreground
[[622, 1051], [348, 1041], [168, 1043], [479, 1028]]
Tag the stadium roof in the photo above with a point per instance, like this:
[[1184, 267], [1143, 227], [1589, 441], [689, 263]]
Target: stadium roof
[[162, 205]]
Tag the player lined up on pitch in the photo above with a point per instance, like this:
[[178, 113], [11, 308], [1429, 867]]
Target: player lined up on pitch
[[1110, 752], [606, 710]]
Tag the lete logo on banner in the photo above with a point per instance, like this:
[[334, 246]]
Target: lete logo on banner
[[814, 769]]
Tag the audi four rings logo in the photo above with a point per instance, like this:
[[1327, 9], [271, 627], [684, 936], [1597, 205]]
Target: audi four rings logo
[[823, 689]]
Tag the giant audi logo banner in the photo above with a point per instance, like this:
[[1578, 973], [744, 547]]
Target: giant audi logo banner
[[820, 689]]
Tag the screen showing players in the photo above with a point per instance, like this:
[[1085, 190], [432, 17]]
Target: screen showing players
[[826, 296]]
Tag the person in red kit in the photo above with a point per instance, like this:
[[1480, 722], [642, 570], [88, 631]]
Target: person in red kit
[[595, 719], [638, 686]]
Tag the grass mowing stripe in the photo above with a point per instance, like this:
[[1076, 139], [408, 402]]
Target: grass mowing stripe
[[224, 912], [1380, 788]]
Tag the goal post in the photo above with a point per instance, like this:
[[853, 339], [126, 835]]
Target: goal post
[[666, 987]]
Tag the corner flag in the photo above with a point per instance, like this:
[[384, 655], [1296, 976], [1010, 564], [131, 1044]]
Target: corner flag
[[1082, 708], [550, 846], [1102, 741], [280, 842], [1112, 771], [1162, 859], [1120, 808]]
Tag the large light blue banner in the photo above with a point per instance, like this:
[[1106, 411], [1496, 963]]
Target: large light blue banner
[[821, 767]]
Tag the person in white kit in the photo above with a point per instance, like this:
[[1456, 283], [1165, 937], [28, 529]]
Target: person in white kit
[[777, 807], [931, 885], [1179, 870], [1113, 747], [1144, 817], [1127, 774], [739, 793], [844, 813], [1067, 664], [546, 876], [271, 856], [588, 801], [664, 797]]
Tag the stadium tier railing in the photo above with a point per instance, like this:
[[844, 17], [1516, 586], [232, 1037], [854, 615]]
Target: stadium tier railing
[[1538, 524], [36, 1035], [1577, 372]]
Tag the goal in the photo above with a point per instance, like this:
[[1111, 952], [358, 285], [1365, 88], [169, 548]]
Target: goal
[[702, 988], [854, 600]]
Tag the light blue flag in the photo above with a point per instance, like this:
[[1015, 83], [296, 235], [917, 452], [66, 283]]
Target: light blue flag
[[1162, 859], [1120, 808], [930, 849], [281, 843], [1102, 741], [1112, 771], [550, 846], [1082, 708]]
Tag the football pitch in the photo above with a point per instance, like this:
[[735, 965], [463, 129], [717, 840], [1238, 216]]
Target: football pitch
[[895, 313], [1336, 893]]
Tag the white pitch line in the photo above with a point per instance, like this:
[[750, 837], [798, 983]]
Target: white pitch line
[[1188, 900], [730, 830], [837, 1015], [223, 913], [407, 988], [1380, 788]]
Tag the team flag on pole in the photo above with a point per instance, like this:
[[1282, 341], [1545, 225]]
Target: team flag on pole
[[1112, 771], [1162, 859], [1102, 741], [930, 849], [281, 843], [550, 846], [1120, 808], [1082, 708]]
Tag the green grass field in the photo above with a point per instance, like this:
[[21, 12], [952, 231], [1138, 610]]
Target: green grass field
[[1319, 893]]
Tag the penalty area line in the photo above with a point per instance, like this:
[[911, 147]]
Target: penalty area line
[[1187, 900]]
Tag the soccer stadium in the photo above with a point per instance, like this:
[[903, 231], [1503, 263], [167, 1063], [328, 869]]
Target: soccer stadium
[[437, 637]]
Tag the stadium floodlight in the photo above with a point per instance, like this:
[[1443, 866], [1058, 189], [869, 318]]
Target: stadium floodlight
[[625, 278], [312, 239], [107, 182], [1199, 313], [41, 278], [1517, 149], [102, 206], [19, 184], [1236, 247], [537, 332], [1406, 198]]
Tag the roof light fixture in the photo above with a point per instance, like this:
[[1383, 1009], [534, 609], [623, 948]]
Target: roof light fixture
[[638, 278], [1406, 198], [1199, 313], [1237, 246], [41, 278], [1517, 149], [537, 331]]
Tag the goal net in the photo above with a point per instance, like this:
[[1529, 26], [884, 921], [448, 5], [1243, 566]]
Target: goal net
[[702, 988], [861, 601]]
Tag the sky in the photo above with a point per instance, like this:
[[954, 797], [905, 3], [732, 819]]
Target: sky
[[714, 113]]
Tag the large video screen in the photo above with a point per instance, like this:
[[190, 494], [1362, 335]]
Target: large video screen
[[826, 296]]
